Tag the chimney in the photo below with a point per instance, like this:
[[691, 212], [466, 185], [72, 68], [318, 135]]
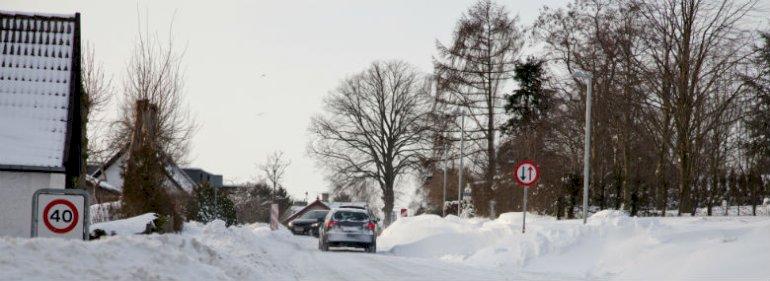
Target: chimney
[[325, 197]]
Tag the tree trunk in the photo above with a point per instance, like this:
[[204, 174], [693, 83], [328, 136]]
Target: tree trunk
[[388, 198]]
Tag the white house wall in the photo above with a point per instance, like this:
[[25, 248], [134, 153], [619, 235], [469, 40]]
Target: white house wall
[[16, 190], [113, 173]]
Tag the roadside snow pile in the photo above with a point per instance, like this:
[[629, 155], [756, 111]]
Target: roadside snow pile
[[129, 226], [609, 217], [201, 252], [612, 245], [472, 241]]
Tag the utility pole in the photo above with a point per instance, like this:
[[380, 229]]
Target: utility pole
[[216, 202], [462, 156], [587, 141]]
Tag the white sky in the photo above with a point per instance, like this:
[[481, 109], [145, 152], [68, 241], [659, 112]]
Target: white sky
[[304, 48]]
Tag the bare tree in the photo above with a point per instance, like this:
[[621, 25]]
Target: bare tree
[[97, 92], [154, 74], [374, 127], [275, 168], [472, 74], [707, 43]]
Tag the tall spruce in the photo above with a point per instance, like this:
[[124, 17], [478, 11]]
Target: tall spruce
[[529, 103], [208, 204]]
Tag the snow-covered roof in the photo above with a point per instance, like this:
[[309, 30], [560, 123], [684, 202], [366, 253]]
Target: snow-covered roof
[[36, 72], [103, 184], [112, 169], [180, 177], [335, 205]]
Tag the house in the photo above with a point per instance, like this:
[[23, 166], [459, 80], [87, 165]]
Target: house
[[201, 176], [315, 205], [106, 183], [41, 125]]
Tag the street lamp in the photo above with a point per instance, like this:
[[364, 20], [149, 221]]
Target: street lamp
[[587, 147], [462, 157], [443, 206]]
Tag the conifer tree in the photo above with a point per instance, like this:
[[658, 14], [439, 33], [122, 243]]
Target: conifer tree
[[208, 205]]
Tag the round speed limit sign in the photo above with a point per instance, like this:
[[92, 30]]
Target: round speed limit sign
[[60, 216], [60, 213]]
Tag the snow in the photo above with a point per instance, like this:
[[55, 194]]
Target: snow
[[180, 177], [39, 14], [129, 226], [103, 212], [34, 90], [612, 246], [103, 184]]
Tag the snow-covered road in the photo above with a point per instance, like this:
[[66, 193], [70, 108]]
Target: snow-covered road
[[611, 247], [352, 264]]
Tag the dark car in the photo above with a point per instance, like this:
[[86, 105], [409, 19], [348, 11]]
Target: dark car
[[307, 224], [349, 227]]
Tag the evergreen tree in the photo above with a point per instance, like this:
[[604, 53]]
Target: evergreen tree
[[529, 103], [143, 188], [758, 123], [208, 205]]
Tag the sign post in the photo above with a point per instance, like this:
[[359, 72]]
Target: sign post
[[274, 216], [526, 174], [60, 213]]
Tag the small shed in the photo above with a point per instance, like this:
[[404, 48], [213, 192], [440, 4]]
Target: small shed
[[315, 205], [318, 204]]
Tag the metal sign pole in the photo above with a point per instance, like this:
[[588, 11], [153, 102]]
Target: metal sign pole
[[462, 156], [587, 150], [524, 213], [443, 204]]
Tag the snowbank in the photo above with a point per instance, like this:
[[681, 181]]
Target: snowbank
[[612, 245], [201, 252], [127, 226]]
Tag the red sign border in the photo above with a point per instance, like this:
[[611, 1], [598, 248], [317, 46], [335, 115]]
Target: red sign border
[[75, 214], [516, 168]]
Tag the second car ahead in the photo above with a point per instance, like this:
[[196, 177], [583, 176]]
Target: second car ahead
[[307, 224]]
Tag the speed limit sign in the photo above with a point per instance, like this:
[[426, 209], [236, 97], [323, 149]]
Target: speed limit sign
[[60, 213]]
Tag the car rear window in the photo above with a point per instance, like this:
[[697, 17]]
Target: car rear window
[[350, 216], [314, 215]]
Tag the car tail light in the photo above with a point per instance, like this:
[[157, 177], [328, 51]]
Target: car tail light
[[371, 226], [330, 224]]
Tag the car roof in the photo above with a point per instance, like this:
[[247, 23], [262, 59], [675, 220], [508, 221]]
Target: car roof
[[351, 207]]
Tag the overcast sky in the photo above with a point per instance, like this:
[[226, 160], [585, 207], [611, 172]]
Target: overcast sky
[[256, 71]]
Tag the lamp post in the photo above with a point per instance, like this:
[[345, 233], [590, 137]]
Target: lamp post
[[587, 147], [462, 157], [443, 206]]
